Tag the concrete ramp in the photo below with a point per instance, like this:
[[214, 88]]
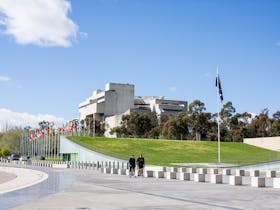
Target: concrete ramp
[[75, 152]]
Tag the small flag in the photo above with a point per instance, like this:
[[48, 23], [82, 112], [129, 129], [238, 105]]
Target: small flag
[[219, 86]]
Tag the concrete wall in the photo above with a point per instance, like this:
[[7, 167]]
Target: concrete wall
[[122, 98], [83, 154], [116, 99], [272, 143]]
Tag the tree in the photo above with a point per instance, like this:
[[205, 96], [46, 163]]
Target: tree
[[212, 133], [199, 120], [227, 121], [176, 127], [136, 125], [4, 152], [239, 126], [11, 139], [275, 125], [260, 125]]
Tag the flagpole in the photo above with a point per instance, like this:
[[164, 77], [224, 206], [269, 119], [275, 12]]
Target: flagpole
[[218, 103]]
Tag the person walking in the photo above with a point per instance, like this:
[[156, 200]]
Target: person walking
[[141, 165], [132, 164]]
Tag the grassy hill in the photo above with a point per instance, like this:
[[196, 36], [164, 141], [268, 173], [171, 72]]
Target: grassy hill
[[165, 152]]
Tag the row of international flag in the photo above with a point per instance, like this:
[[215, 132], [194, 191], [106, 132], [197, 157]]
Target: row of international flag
[[49, 132], [41, 133]]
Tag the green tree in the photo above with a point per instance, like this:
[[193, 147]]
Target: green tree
[[11, 139], [136, 125], [228, 122], [5, 152], [199, 120], [176, 127], [275, 125], [260, 125]]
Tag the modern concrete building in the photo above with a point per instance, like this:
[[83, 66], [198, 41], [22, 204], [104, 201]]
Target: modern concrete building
[[110, 105], [114, 100]]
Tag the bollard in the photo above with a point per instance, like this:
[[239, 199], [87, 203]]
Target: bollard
[[159, 174], [239, 172], [257, 181], [202, 170], [254, 173], [174, 169], [182, 170], [216, 178], [276, 182], [170, 175], [235, 180], [114, 171], [107, 170], [226, 171], [149, 174], [183, 176], [214, 171], [270, 174], [121, 171], [199, 177], [191, 170]]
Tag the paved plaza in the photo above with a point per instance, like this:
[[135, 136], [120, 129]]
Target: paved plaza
[[82, 189]]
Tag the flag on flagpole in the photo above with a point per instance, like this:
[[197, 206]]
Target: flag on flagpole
[[219, 86]]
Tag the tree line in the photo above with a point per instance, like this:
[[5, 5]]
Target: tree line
[[197, 124], [9, 141]]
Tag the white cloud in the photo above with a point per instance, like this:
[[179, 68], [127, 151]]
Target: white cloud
[[172, 88], [4, 79], [11, 119], [38, 22]]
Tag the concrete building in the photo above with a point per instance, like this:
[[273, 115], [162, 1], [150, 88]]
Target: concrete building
[[110, 105], [114, 100]]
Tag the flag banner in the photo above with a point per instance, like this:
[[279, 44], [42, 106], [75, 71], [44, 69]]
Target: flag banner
[[219, 86]]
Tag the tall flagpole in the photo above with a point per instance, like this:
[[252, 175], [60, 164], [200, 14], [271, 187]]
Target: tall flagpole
[[218, 102]]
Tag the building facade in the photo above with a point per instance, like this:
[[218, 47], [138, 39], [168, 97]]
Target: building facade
[[116, 100]]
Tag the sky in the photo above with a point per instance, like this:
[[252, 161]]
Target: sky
[[54, 53]]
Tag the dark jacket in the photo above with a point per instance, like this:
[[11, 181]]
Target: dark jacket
[[141, 162], [132, 162]]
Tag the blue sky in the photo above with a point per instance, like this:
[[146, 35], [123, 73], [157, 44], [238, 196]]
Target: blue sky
[[164, 47]]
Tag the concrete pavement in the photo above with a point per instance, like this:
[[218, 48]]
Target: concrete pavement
[[20, 178], [5, 177], [93, 190]]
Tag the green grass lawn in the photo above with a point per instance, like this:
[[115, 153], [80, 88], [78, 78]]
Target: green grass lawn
[[165, 152]]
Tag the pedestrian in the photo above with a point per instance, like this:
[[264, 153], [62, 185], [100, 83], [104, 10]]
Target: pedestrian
[[141, 165], [132, 164]]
